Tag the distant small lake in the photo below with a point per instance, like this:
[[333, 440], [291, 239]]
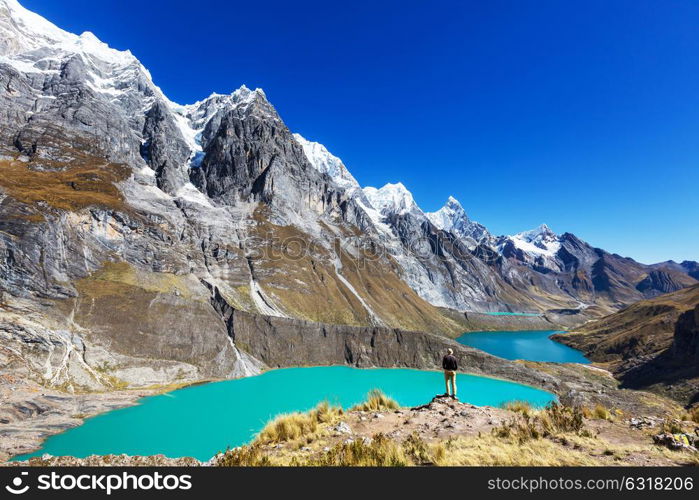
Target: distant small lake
[[533, 345], [201, 420]]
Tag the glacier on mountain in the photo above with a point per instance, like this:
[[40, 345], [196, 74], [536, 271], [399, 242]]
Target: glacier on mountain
[[391, 199], [327, 163]]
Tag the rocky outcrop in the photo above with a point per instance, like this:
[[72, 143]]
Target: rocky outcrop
[[250, 153], [164, 149]]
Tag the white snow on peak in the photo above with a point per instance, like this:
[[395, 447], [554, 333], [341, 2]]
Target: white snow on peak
[[539, 241], [27, 31], [90, 44], [215, 102], [452, 217], [541, 233], [451, 214], [191, 119], [327, 163], [32, 44], [391, 199], [31, 28]]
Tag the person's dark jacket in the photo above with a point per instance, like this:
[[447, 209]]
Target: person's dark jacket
[[449, 363]]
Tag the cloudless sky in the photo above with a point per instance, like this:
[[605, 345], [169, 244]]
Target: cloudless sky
[[580, 114]]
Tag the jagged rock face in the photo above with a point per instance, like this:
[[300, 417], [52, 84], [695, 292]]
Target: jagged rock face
[[164, 149], [250, 154], [444, 268], [59, 112]]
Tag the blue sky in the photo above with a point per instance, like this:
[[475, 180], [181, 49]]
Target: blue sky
[[583, 115]]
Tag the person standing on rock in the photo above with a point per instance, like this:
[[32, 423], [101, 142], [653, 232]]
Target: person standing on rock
[[450, 366]]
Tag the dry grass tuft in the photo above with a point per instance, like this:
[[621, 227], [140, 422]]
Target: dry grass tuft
[[417, 450], [376, 401], [519, 407], [326, 414], [296, 425], [692, 415], [599, 412], [287, 427], [244, 456], [494, 451], [672, 426], [554, 419], [381, 451]]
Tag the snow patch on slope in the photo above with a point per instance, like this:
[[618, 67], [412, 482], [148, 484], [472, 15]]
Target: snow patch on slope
[[327, 163]]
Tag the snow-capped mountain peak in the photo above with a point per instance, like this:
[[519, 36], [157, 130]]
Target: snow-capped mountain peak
[[191, 119], [391, 199], [453, 218], [541, 233], [24, 31], [451, 201], [538, 241], [33, 45], [325, 162], [451, 214], [215, 102]]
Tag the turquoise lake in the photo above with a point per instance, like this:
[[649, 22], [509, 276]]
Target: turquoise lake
[[201, 420], [533, 345]]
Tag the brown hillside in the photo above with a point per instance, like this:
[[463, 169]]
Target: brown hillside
[[644, 345]]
